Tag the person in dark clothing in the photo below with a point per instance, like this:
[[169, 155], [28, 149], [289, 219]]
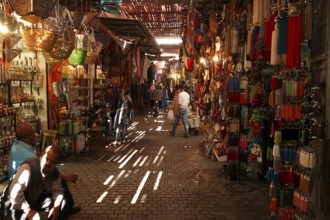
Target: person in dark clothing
[[35, 189], [151, 73], [120, 121], [22, 150]]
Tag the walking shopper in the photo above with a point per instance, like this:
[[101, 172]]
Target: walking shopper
[[120, 121], [183, 100]]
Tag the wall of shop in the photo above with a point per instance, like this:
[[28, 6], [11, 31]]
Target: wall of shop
[[320, 65]]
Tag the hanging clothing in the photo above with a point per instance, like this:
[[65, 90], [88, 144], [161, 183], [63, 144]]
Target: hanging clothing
[[274, 58], [269, 26], [282, 33], [294, 37], [254, 54]]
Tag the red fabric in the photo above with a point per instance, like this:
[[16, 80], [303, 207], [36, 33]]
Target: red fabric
[[269, 26], [294, 42]]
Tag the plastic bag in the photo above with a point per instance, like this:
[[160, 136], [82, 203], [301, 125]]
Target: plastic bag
[[170, 115]]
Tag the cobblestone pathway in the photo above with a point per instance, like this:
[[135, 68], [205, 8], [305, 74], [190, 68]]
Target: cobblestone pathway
[[156, 176]]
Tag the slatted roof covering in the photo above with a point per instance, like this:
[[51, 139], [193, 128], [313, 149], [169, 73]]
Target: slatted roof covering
[[133, 29], [161, 20]]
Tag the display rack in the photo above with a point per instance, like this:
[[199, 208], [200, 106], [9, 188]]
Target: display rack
[[72, 107], [7, 137]]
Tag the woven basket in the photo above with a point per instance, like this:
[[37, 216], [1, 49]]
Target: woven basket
[[33, 10], [38, 39], [78, 57]]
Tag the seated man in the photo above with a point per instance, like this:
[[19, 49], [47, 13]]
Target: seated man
[[22, 150], [36, 188]]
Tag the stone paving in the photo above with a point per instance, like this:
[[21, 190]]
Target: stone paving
[[156, 176]]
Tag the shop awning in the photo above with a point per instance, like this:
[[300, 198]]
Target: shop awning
[[130, 28]]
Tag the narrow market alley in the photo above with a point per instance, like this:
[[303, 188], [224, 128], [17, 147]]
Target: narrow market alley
[[156, 176]]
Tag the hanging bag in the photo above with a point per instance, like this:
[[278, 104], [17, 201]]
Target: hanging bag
[[64, 44], [170, 115], [94, 48], [79, 54]]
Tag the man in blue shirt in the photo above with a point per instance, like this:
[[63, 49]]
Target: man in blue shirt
[[22, 150]]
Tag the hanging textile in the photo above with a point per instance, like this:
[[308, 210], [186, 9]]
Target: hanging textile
[[258, 12], [269, 26], [234, 41], [249, 14], [227, 43], [146, 64], [213, 21], [308, 21], [294, 37], [254, 54], [247, 64], [282, 33], [138, 61], [274, 58], [248, 42], [266, 9]]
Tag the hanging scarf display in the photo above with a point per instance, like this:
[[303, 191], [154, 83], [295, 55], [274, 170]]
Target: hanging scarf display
[[247, 63], [274, 58], [282, 33], [308, 21], [248, 42], [138, 61], [254, 54], [234, 41], [294, 37], [269, 26], [258, 12], [227, 43]]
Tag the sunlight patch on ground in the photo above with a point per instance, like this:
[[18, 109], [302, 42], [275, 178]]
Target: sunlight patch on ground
[[100, 158], [137, 161], [128, 173], [155, 160], [111, 158], [100, 199], [143, 161], [138, 191], [142, 149], [160, 150], [115, 181], [123, 158], [117, 158], [158, 180], [144, 198], [159, 128], [117, 200], [160, 161], [108, 180], [128, 159]]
